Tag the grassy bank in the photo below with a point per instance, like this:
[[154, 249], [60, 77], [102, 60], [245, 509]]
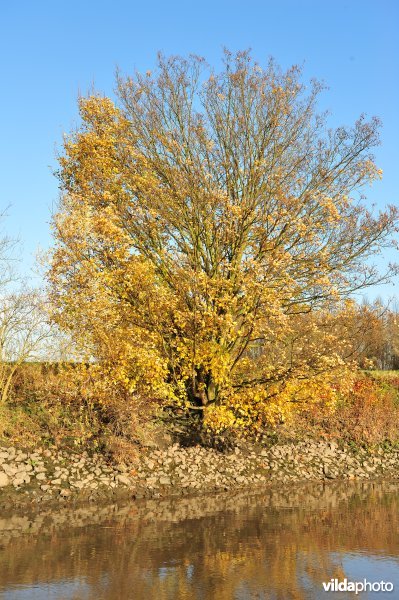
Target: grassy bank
[[53, 405]]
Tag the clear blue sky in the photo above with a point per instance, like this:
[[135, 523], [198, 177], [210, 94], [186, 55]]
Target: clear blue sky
[[52, 51]]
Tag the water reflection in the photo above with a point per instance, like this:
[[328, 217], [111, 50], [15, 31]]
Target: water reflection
[[281, 544]]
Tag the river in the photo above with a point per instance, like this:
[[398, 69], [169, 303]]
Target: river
[[271, 544]]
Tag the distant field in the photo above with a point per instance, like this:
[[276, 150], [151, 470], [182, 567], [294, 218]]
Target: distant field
[[379, 374]]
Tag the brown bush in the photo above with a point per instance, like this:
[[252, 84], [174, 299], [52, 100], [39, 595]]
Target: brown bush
[[367, 414], [67, 404]]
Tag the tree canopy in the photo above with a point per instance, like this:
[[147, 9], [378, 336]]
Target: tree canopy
[[210, 227]]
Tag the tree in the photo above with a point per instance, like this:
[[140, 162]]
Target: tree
[[24, 334], [380, 338], [202, 218], [25, 330]]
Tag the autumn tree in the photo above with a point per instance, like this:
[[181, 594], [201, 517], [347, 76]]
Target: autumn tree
[[203, 215], [25, 329], [378, 339], [25, 334]]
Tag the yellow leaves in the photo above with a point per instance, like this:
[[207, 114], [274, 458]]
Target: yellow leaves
[[98, 109], [273, 406], [188, 264], [219, 418]]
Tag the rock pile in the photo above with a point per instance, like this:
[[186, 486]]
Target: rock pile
[[185, 470], [51, 472], [193, 470]]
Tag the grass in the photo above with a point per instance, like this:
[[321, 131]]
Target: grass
[[48, 405]]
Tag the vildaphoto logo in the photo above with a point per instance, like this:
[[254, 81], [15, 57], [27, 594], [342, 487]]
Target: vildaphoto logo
[[335, 585]]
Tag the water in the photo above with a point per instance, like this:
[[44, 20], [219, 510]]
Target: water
[[278, 544]]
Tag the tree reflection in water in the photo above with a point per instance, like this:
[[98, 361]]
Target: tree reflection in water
[[278, 544]]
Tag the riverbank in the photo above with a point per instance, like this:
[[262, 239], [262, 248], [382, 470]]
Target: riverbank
[[51, 474]]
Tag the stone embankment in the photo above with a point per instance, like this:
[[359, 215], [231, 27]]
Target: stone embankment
[[45, 474], [186, 470], [48, 474]]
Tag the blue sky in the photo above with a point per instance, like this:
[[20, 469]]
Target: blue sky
[[53, 51]]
